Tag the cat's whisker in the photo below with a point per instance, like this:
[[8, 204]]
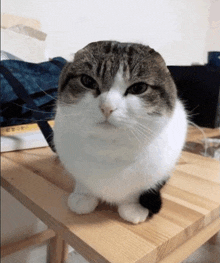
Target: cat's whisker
[[31, 120], [75, 112], [129, 136], [135, 136], [144, 128], [134, 132], [47, 94], [22, 106], [148, 118], [143, 135], [191, 115], [143, 132]]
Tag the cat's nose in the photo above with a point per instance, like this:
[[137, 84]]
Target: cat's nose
[[107, 110]]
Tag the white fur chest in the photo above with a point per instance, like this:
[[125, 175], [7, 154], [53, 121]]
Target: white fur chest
[[116, 168]]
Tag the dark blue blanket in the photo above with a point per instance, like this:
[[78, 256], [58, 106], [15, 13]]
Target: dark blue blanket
[[40, 82]]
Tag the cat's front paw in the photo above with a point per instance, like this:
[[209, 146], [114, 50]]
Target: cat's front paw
[[82, 203], [133, 213]]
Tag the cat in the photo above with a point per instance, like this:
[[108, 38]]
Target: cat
[[119, 127]]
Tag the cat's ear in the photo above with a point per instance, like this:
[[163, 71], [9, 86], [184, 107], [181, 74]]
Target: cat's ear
[[158, 58], [150, 52], [84, 55]]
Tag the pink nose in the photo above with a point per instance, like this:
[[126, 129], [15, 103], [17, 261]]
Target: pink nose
[[107, 110]]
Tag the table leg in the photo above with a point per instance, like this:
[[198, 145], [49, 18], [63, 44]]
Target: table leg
[[213, 239], [58, 250]]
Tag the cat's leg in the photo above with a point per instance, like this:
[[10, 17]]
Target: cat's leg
[[151, 199], [81, 201], [149, 203], [133, 212]]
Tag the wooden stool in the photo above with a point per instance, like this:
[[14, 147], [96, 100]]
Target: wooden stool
[[189, 217]]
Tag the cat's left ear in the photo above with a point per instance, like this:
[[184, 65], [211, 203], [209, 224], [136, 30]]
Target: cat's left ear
[[160, 61], [158, 58]]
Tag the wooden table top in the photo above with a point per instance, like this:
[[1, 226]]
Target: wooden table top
[[191, 202]]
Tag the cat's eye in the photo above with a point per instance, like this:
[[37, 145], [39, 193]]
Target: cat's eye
[[89, 82], [137, 88]]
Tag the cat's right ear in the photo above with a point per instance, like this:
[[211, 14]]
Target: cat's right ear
[[65, 76]]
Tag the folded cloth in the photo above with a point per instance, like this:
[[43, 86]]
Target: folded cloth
[[38, 81]]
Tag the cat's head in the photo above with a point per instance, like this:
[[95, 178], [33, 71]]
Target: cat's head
[[122, 85]]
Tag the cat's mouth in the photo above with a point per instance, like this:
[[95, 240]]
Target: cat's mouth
[[106, 125]]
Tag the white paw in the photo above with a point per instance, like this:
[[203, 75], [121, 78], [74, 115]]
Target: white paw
[[133, 213], [81, 203]]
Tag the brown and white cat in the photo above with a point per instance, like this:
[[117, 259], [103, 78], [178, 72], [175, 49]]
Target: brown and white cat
[[119, 127]]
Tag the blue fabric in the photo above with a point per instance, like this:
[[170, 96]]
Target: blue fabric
[[41, 83]]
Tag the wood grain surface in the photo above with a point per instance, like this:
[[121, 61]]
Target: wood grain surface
[[190, 212], [196, 134]]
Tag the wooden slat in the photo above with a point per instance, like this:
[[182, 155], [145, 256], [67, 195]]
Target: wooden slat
[[199, 166], [185, 250], [58, 250], [198, 159], [194, 184], [99, 235], [44, 163], [198, 203], [161, 232], [36, 239], [213, 240], [195, 134]]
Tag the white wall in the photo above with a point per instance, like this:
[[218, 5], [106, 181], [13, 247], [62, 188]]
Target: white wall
[[213, 34], [182, 31]]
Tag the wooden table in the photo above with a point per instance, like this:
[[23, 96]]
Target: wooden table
[[189, 217]]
